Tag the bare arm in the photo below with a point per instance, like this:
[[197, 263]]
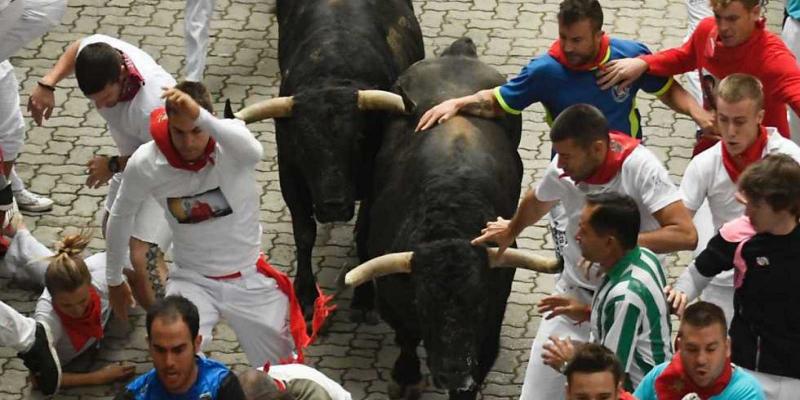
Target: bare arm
[[42, 100], [102, 376], [677, 231], [679, 100], [482, 104], [503, 232]]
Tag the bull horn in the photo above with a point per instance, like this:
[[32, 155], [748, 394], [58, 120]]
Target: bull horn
[[517, 258], [278, 107], [377, 267], [381, 100]]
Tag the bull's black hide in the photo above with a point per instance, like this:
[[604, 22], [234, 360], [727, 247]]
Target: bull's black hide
[[329, 49], [434, 192]]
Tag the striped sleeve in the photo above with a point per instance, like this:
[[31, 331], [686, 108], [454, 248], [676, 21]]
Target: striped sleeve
[[623, 319]]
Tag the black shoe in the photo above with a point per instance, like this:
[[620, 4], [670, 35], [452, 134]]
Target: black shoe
[[42, 360]]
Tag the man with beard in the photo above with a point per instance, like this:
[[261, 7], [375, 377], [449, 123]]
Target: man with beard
[[702, 364], [172, 335], [566, 75]]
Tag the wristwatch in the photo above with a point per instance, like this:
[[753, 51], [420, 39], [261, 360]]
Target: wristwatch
[[113, 164]]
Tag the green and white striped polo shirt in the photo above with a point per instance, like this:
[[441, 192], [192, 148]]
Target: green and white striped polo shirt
[[630, 314]]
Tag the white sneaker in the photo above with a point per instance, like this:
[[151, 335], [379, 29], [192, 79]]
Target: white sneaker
[[29, 201]]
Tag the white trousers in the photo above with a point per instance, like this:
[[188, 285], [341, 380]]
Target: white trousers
[[252, 305], [541, 381], [778, 387], [791, 36], [197, 19], [720, 290], [37, 18], [16, 330], [25, 258]]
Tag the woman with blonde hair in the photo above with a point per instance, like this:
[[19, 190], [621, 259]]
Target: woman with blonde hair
[[70, 314]]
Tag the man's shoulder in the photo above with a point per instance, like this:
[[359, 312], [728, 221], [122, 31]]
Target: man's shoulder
[[778, 144], [627, 48], [641, 159], [743, 386], [708, 160], [141, 385]]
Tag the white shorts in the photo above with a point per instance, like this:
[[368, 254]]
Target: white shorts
[[541, 381], [251, 304], [150, 224], [12, 126]]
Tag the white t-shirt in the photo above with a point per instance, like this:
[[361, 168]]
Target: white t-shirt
[[643, 177], [706, 178], [289, 372], [213, 213], [45, 313], [129, 121]]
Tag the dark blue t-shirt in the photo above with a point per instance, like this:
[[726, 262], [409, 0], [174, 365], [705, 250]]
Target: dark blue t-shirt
[[547, 81]]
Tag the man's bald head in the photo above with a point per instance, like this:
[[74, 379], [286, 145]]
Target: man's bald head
[[257, 385]]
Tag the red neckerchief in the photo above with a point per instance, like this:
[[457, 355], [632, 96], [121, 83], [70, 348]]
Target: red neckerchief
[[673, 383], [134, 81], [556, 52], [736, 164], [716, 50], [620, 146], [626, 396], [278, 383], [297, 324], [159, 129], [90, 325]]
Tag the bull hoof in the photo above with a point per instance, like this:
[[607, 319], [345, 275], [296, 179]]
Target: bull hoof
[[408, 392], [369, 317]]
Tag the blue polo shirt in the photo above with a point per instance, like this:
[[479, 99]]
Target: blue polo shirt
[[547, 81], [742, 386]]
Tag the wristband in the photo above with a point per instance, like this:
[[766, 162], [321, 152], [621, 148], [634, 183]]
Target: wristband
[[46, 86], [113, 164]]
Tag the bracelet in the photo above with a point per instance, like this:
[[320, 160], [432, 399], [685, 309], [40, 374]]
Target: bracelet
[[46, 86], [113, 164]]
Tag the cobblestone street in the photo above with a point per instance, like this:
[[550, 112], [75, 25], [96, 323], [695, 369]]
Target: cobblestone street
[[243, 66]]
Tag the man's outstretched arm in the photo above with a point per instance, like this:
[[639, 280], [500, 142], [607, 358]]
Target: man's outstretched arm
[[42, 99], [482, 104]]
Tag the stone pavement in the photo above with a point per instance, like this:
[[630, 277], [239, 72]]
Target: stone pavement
[[243, 67]]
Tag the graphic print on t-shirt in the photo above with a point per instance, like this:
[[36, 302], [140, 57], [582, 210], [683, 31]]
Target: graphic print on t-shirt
[[199, 207]]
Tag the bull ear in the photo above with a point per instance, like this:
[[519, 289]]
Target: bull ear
[[377, 267], [278, 107], [228, 114], [381, 100], [516, 258]]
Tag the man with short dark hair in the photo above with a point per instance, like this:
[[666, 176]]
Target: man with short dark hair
[[566, 76], [734, 40], [762, 248], [594, 373], [628, 313], [702, 364], [178, 373], [125, 85], [589, 159], [201, 170]]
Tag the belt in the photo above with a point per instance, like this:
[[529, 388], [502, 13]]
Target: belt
[[234, 275]]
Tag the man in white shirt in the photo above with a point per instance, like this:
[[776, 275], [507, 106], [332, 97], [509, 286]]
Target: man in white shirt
[[201, 170], [713, 173], [21, 21], [125, 85], [590, 159]]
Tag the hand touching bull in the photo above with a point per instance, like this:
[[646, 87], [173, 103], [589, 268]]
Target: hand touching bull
[[499, 232]]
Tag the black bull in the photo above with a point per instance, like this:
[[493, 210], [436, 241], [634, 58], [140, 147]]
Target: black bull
[[328, 120], [434, 192]]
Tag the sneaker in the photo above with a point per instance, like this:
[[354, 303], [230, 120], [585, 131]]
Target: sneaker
[[42, 360], [29, 201]]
